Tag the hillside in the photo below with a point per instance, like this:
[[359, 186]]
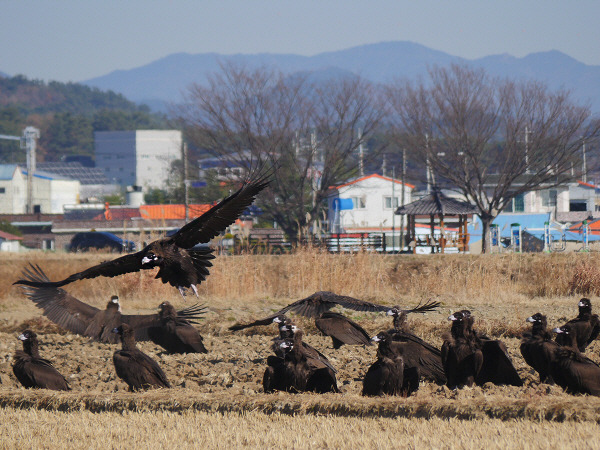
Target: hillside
[[163, 80], [67, 115]]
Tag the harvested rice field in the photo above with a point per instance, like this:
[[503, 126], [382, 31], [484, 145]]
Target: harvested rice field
[[217, 398]]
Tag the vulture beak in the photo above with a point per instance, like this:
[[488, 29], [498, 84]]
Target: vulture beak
[[376, 339], [530, 319]]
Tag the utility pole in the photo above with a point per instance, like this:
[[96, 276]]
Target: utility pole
[[584, 168], [527, 148], [361, 155], [402, 198], [393, 208], [186, 187]]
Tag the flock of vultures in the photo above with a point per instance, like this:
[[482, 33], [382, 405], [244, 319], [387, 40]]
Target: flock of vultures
[[467, 357]]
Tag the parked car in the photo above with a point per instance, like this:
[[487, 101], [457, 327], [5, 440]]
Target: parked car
[[97, 240]]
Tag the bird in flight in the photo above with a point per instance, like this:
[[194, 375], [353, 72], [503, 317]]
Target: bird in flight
[[179, 263]]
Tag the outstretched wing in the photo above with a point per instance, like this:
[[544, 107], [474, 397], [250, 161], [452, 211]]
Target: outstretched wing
[[141, 323], [216, 219], [124, 264], [312, 306], [60, 307], [343, 329]]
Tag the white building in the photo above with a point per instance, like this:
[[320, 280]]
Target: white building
[[50, 192], [139, 157], [367, 204], [9, 242]]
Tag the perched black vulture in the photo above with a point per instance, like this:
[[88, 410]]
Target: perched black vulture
[[32, 371], [175, 334], [390, 375], [585, 326], [461, 352], [417, 352], [572, 371], [341, 329], [179, 264], [133, 366], [78, 317], [538, 347], [497, 367], [302, 371]]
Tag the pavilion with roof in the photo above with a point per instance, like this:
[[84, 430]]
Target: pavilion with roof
[[447, 219]]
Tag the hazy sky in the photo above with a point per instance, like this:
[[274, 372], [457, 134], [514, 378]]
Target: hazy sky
[[73, 40]]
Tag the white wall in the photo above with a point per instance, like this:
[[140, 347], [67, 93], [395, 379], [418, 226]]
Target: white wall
[[375, 214], [14, 198], [141, 157]]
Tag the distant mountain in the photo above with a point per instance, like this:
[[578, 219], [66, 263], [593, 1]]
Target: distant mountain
[[164, 80]]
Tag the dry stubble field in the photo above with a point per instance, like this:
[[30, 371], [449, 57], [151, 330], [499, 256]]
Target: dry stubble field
[[217, 398]]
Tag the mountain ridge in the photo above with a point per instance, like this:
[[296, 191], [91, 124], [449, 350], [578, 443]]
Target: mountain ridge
[[164, 79]]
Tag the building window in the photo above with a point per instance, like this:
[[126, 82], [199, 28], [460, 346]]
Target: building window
[[2, 190], [549, 198], [578, 205], [516, 204], [387, 202], [359, 202]]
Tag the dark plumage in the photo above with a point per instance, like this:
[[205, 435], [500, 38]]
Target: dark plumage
[[390, 374], [538, 347], [417, 352], [300, 370], [341, 329], [179, 264], [134, 367], [461, 353], [585, 326], [497, 367], [175, 334], [32, 371], [78, 317], [572, 371]]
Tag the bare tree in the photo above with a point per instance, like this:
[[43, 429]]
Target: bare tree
[[490, 139], [310, 131]]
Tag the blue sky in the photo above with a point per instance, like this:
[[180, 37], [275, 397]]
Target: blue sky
[[72, 40]]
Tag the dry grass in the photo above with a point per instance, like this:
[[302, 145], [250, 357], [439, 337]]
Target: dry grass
[[191, 429], [223, 388]]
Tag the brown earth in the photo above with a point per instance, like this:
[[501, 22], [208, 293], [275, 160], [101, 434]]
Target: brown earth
[[229, 377]]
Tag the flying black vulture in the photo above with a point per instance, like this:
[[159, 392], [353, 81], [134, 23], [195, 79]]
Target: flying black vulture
[[538, 348], [299, 370], [78, 317], [461, 353], [390, 375], [341, 329], [586, 326], [174, 333], [179, 264], [572, 371], [32, 371], [133, 366]]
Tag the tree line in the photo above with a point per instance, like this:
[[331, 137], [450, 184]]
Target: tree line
[[486, 138], [67, 115]]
